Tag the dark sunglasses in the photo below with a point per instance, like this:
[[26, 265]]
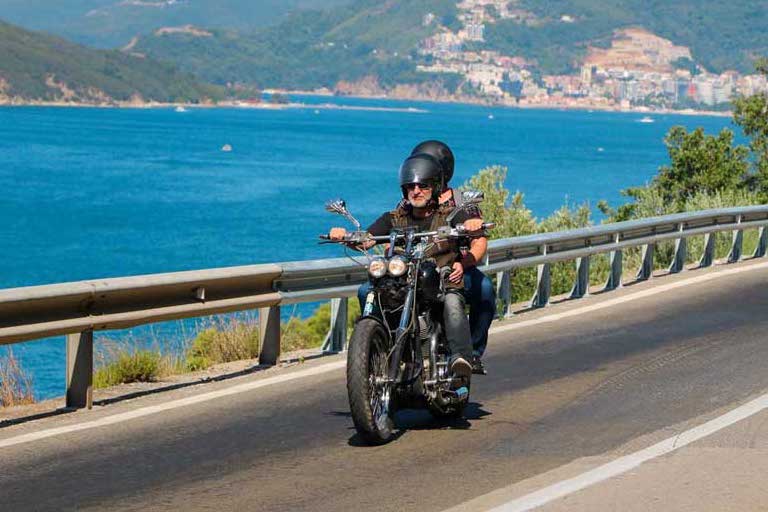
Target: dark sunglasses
[[422, 186]]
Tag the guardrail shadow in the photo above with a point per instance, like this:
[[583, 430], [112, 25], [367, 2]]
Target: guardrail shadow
[[148, 392]]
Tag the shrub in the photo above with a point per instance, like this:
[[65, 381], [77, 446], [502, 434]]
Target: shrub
[[310, 332], [130, 366]]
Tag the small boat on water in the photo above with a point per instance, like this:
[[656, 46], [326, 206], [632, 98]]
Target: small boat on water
[[226, 148], [646, 119], [181, 109]]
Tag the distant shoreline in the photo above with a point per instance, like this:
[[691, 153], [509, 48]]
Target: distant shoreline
[[552, 106], [223, 104], [335, 106]]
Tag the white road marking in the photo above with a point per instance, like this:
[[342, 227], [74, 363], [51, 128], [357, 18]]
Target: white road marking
[[175, 404], [249, 386], [628, 462]]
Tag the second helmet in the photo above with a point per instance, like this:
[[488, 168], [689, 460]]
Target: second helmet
[[441, 152]]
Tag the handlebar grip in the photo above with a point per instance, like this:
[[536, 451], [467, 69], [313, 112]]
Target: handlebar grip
[[325, 237]]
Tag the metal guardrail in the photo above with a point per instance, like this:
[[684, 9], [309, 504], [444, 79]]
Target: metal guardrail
[[78, 309]]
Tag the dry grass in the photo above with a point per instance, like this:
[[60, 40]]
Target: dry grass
[[15, 383], [224, 339]]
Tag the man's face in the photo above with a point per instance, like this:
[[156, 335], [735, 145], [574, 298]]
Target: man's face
[[419, 195]]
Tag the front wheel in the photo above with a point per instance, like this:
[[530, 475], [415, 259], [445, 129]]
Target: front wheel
[[370, 401]]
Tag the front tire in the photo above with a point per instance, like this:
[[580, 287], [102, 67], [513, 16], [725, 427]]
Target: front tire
[[371, 403]]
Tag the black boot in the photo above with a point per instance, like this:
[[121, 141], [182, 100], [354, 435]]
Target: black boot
[[478, 367]]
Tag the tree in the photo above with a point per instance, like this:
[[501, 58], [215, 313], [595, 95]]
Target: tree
[[701, 163], [751, 114]]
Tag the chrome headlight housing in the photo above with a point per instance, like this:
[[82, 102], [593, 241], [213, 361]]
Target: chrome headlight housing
[[397, 266], [377, 267]]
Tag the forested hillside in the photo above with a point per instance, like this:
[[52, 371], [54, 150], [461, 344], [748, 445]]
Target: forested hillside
[[310, 48], [721, 35], [319, 48], [112, 23], [41, 67]]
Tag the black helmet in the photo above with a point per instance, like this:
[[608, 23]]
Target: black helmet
[[423, 169], [441, 152]]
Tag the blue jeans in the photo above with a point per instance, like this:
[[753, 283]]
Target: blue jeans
[[481, 297]]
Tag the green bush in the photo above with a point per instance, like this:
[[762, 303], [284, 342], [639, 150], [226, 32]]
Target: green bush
[[310, 332], [130, 366], [513, 218]]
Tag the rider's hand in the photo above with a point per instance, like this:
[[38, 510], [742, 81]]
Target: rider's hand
[[473, 225], [337, 234], [458, 273]]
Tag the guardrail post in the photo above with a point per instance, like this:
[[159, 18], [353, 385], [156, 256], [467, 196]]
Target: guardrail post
[[646, 266], [543, 284], [709, 251], [736, 244], [762, 243], [617, 267], [80, 370], [581, 285], [504, 292], [269, 335], [336, 339], [738, 238], [681, 252]]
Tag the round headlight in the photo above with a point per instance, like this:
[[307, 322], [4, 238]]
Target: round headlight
[[377, 267], [397, 266]]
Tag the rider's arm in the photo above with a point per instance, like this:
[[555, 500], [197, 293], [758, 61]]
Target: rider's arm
[[476, 252], [477, 246], [380, 226]]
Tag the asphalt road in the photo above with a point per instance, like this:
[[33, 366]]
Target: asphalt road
[[558, 391]]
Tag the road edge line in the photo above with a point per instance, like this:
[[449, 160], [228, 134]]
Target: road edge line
[[628, 462]]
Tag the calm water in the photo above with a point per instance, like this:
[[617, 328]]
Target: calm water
[[92, 193]]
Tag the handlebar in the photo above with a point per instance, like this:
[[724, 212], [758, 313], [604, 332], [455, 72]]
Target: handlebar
[[358, 237]]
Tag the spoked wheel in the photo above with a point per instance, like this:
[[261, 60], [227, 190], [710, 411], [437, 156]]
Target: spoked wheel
[[370, 399]]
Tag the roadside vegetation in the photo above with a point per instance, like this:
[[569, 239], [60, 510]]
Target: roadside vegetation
[[15, 383], [704, 171]]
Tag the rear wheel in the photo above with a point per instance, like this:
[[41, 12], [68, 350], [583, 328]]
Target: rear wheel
[[370, 400]]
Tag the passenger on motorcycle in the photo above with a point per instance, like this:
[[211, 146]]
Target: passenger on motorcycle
[[421, 184]]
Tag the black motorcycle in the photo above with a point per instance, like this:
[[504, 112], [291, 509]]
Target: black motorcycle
[[398, 355]]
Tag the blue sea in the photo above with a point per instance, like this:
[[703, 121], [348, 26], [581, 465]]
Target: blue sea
[[90, 193]]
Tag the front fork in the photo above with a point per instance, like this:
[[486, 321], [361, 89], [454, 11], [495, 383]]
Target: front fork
[[400, 335]]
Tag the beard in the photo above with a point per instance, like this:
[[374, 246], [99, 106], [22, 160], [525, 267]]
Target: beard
[[419, 203]]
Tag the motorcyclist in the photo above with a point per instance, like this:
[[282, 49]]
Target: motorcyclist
[[421, 184], [478, 288]]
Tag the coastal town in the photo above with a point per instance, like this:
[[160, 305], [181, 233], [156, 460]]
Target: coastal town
[[638, 70]]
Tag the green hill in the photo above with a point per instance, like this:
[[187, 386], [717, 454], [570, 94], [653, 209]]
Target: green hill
[[112, 23], [36, 66], [310, 48], [318, 48], [721, 35]]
